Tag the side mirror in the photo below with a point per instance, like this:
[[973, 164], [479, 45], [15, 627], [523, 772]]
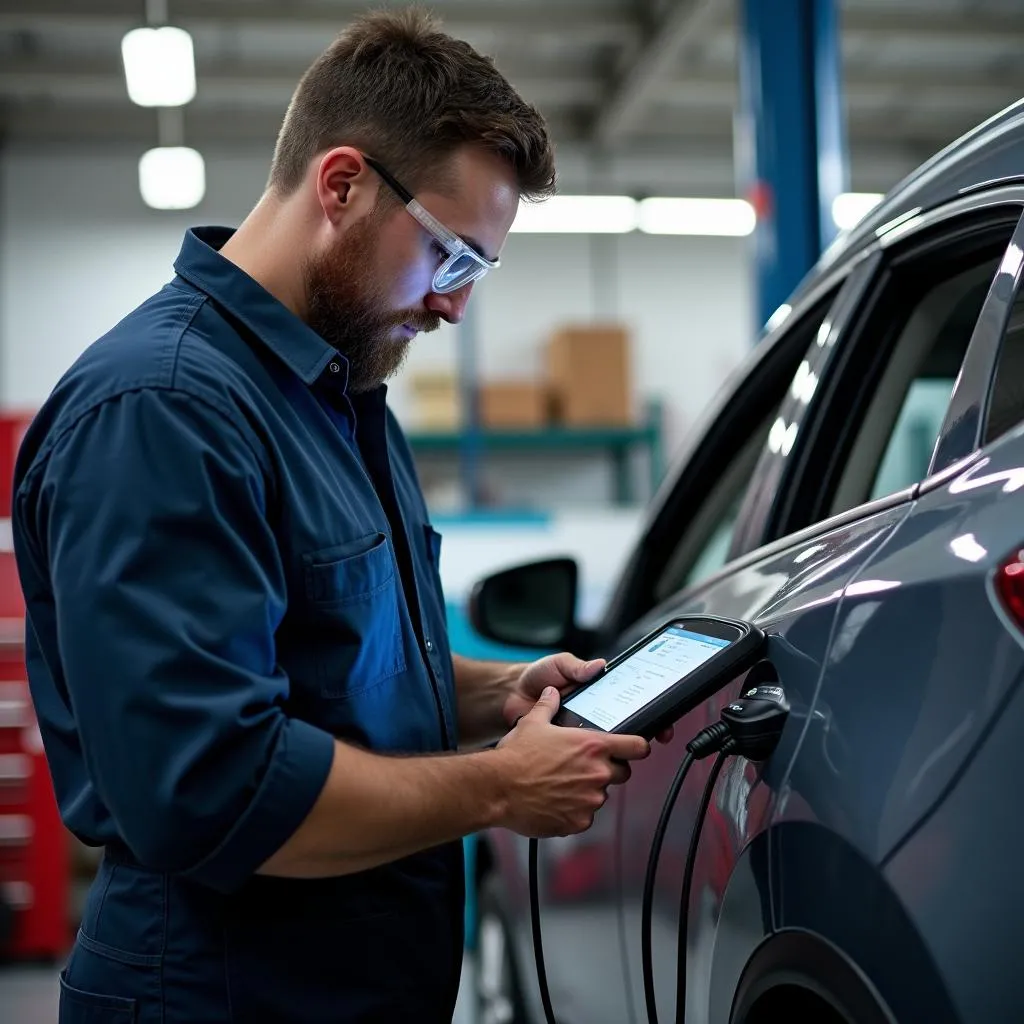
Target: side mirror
[[531, 605]]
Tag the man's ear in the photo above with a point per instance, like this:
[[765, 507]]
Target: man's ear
[[345, 186]]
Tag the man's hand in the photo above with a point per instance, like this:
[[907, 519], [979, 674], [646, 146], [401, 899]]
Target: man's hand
[[562, 671], [557, 779]]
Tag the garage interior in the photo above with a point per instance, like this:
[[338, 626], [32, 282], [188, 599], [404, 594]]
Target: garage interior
[[647, 100]]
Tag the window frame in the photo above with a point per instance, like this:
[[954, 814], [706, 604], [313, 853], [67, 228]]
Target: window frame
[[764, 525], [971, 402], [939, 283], [805, 501], [993, 432]]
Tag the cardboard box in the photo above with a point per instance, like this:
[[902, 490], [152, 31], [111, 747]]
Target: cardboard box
[[436, 401], [513, 405], [589, 375]]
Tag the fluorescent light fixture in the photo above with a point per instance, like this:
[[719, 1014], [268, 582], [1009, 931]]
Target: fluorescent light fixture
[[612, 215], [622, 214], [729, 217], [159, 66], [850, 208], [172, 178]]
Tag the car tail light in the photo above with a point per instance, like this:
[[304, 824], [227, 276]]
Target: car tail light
[[1010, 585]]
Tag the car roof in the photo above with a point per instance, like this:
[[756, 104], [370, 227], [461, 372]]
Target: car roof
[[990, 154]]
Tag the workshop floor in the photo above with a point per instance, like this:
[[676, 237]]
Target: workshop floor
[[28, 995]]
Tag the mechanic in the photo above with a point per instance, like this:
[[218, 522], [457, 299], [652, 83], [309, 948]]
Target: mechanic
[[235, 625]]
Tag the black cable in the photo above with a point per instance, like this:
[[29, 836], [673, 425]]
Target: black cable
[[684, 896], [620, 901], [538, 948], [750, 727], [647, 907]]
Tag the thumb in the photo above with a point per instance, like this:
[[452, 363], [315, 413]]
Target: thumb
[[584, 670], [546, 706]]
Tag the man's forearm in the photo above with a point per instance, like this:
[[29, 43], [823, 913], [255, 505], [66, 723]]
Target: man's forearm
[[482, 687], [374, 809]]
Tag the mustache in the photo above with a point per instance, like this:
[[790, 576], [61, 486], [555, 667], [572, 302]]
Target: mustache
[[424, 323]]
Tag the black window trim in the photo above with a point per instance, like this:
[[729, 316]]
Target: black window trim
[[809, 533], [789, 516], [963, 427]]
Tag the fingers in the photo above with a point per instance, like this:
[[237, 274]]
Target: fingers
[[573, 669], [584, 670], [546, 706], [626, 748], [620, 773], [665, 736]]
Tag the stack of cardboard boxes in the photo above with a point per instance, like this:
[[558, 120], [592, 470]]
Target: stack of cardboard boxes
[[437, 402], [586, 383], [588, 376]]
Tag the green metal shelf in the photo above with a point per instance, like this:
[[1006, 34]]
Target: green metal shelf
[[617, 442]]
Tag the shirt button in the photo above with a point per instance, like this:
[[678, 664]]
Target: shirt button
[[429, 644], [334, 367]]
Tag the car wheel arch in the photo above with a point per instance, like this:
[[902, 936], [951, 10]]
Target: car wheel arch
[[830, 904], [792, 970]]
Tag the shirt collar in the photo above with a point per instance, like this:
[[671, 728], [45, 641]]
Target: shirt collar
[[296, 344]]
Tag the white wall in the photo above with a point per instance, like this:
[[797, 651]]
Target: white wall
[[78, 250]]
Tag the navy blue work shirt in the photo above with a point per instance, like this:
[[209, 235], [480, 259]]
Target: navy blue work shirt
[[227, 563]]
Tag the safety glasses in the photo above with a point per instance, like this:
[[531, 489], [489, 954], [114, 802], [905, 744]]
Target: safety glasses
[[463, 264]]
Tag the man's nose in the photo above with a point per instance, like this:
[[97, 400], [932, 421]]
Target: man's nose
[[450, 306]]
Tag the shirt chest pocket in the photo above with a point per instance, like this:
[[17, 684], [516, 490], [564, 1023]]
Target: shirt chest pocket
[[355, 625]]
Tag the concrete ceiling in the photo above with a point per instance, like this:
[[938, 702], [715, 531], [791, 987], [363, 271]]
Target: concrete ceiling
[[640, 94]]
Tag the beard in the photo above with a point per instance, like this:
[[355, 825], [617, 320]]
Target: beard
[[347, 307]]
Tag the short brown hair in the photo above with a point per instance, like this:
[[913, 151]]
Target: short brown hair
[[395, 86]]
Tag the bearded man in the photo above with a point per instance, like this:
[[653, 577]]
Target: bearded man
[[235, 624]]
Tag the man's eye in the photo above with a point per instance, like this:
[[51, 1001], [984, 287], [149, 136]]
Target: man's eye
[[439, 251]]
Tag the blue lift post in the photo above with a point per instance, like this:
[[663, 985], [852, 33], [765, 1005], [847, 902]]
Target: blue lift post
[[791, 143]]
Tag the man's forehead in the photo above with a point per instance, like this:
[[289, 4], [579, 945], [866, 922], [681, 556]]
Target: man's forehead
[[480, 201]]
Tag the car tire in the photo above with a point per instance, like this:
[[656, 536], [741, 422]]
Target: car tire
[[498, 981]]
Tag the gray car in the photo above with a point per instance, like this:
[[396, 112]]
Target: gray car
[[857, 490]]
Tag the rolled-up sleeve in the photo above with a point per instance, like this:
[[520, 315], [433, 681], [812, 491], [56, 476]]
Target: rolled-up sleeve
[[150, 515]]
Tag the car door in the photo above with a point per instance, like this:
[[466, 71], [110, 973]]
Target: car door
[[921, 671], [577, 874], [837, 476]]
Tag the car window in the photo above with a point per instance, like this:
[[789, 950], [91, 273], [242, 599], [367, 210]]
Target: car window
[[882, 410], [1006, 404], [924, 366], [712, 555], [912, 441], [902, 420], [701, 546]]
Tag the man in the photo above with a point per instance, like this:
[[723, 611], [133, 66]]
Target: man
[[236, 639]]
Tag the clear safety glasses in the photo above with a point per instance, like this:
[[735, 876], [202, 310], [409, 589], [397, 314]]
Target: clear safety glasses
[[463, 264]]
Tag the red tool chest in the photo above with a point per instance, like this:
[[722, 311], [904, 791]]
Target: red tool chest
[[34, 845]]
